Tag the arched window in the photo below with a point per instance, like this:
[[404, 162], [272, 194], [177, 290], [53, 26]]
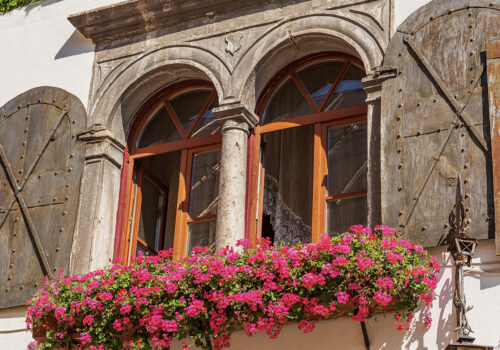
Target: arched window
[[174, 171], [310, 151]]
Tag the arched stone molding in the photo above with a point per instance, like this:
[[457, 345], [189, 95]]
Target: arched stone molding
[[238, 54], [124, 88], [294, 38]]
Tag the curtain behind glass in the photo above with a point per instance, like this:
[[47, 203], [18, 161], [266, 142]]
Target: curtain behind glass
[[288, 161]]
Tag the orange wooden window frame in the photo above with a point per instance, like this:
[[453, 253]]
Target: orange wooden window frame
[[143, 173], [188, 147], [321, 121]]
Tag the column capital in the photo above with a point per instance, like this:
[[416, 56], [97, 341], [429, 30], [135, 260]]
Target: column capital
[[102, 144], [235, 116], [372, 84]]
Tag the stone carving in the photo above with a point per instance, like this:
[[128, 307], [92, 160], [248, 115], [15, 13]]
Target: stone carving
[[374, 11], [233, 42]]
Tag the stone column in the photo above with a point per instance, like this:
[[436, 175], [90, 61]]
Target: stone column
[[372, 85], [94, 234], [236, 122]]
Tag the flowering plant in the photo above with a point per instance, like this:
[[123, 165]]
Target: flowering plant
[[205, 297]]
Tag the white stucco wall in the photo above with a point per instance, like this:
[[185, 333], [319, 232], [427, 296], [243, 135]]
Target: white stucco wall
[[13, 334], [404, 8], [41, 47]]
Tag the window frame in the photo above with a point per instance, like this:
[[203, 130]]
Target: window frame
[[188, 148], [322, 121], [183, 220], [142, 173]]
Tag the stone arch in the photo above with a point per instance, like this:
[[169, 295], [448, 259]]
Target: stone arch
[[125, 89], [295, 38]]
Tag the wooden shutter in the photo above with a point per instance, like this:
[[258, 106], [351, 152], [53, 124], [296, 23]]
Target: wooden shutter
[[435, 121], [493, 67], [41, 163]]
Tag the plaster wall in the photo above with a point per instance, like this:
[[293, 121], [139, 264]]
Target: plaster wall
[[404, 8], [13, 333], [41, 47]]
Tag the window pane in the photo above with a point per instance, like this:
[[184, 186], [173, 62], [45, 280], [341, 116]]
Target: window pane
[[318, 78], [347, 158], [159, 129], [342, 214], [201, 234], [204, 184], [188, 105], [350, 91], [141, 248], [287, 207], [287, 102], [208, 125], [165, 168], [151, 214]]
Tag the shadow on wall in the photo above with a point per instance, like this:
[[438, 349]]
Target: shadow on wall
[[75, 45], [41, 3], [444, 336], [384, 335], [487, 280]]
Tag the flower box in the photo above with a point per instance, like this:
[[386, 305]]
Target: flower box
[[206, 296]]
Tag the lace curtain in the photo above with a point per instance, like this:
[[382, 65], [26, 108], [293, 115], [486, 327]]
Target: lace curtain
[[289, 228], [288, 159]]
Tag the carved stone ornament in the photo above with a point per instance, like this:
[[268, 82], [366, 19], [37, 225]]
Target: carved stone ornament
[[233, 42]]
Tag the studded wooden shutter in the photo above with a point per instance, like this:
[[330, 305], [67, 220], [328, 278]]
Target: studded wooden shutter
[[435, 120], [493, 68], [41, 163]]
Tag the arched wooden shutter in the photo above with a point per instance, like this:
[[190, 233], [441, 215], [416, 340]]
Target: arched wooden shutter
[[435, 120], [41, 163]]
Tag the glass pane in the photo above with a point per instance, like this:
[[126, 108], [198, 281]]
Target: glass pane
[[188, 105], [287, 102], [208, 125], [350, 91], [165, 168], [318, 78], [204, 184], [141, 248], [201, 234], [342, 214], [151, 214], [347, 158], [287, 206], [158, 129]]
